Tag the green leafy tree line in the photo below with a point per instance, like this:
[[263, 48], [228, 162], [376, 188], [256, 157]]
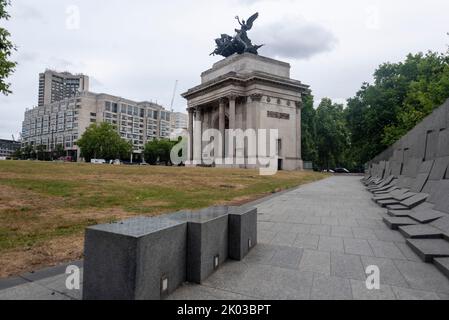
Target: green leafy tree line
[[39, 152], [400, 97], [325, 137], [6, 49]]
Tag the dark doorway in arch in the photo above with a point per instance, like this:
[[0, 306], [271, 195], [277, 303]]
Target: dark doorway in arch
[[280, 164]]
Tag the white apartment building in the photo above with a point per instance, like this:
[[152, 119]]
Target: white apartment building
[[64, 122]]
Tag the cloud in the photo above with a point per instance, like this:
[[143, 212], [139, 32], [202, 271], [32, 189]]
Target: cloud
[[28, 57], [293, 38], [28, 12]]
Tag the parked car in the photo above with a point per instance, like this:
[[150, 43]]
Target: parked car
[[341, 170], [98, 161], [66, 159], [115, 162]]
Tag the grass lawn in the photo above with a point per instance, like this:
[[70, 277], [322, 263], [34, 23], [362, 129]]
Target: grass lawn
[[45, 207]]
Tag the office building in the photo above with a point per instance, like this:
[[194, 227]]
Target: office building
[[65, 121], [56, 86]]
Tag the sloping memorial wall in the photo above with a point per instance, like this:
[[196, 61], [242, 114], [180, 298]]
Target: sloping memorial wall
[[420, 162]]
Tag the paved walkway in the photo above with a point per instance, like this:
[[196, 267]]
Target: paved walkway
[[314, 243]]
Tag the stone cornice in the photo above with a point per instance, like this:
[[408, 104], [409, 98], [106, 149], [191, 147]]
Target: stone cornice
[[232, 78]]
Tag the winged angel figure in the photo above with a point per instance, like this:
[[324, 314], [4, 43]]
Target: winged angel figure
[[240, 43]]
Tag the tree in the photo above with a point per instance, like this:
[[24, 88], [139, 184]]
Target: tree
[[159, 151], [151, 152], [332, 134], [6, 48], [101, 141], [401, 96], [28, 152], [41, 153], [308, 128], [59, 151], [18, 154]]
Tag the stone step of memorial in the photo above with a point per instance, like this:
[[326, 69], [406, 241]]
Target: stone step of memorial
[[395, 222], [421, 231], [409, 203], [429, 249], [443, 265], [422, 216], [389, 202], [381, 193], [426, 216]]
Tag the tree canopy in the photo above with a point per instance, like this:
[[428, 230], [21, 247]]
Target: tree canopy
[[400, 97], [101, 141], [6, 48]]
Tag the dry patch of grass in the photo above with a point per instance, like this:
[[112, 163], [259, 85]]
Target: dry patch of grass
[[45, 207]]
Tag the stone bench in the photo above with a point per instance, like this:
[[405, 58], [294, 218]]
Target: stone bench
[[148, 258], [137, 259]]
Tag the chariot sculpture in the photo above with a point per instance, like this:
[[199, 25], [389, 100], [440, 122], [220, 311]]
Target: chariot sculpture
[[240, 43]]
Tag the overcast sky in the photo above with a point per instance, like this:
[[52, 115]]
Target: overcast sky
[[137, 49]]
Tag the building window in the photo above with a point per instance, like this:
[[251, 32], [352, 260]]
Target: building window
[[108, 106]]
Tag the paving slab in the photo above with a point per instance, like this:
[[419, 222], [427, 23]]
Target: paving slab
[[389, 273], [347, 266], [423, 276], [364, 233], [331, 288], [31, 291], [411, 294], [342, 232], [287, 257], [361, 292], [316, 261], [357, 246], [389, 236], [331, 244], [386, 249], [307, 241]]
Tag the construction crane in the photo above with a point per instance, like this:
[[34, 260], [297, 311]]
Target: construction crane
[[174, 94]]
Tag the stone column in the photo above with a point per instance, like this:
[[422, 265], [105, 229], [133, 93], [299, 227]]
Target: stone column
[[222, 124], [198, 132], [299, 106], [190, 146], [232, 123]]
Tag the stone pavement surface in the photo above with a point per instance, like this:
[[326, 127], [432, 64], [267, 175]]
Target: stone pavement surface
[[315, 242]]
